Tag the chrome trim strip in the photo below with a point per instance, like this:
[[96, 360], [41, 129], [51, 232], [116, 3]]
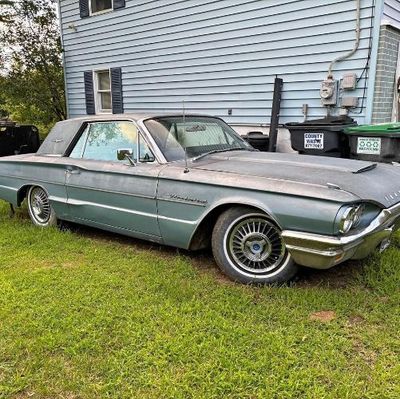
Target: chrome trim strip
[[57, 199], [189, 222], [113, 208], [130, 211], [328, 253], [9, 188]]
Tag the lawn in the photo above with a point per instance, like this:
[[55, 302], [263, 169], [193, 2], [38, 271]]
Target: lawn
[[91, 315]]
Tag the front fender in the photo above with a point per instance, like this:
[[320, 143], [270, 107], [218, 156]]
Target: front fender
[[183, 206]]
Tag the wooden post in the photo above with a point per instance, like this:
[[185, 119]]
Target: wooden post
[[276, 108]]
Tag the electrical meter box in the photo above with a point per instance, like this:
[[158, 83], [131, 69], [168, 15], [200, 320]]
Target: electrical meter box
[[349, 102], [328, 92], [349, 81]]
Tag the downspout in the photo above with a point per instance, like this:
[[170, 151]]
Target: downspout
[[63, 56], [356, 43]]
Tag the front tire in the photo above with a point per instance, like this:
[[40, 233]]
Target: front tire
[[40, 210], [248, 247]]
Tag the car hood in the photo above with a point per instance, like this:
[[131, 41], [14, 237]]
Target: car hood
[[379, 183]]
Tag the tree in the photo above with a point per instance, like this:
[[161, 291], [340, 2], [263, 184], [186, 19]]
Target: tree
[[4, 17], [31, 62]]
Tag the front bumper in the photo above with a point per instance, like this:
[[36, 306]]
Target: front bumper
[[322, 252]]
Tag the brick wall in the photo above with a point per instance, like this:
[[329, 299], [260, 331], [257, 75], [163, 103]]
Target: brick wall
[[389, 40]]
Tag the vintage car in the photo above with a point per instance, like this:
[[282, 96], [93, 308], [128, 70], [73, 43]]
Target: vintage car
[[190, 181]]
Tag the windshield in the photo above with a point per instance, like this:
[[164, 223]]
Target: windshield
[[198, 134]]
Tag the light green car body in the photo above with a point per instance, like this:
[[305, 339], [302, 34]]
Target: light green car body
[[177, 203]]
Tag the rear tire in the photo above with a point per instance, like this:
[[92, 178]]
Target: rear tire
[[248, 247], [40, 210]]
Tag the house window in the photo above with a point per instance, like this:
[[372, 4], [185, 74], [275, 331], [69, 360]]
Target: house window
[[100, 5], [103, 91], [93, 7]]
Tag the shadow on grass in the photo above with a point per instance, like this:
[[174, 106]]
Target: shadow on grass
[[340, 276]]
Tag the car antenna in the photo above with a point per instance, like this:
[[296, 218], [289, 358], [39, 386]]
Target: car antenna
[[186, 170]]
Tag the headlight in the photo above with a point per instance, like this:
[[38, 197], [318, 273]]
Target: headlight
[[351, 218]]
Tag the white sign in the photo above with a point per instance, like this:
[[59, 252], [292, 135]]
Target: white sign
[[314, 141], [369, 145]]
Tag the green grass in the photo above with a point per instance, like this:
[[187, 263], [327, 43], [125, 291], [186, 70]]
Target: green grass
[[88, 315]]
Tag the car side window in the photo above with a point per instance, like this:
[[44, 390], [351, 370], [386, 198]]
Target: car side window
[[105, 138], [101, 140]]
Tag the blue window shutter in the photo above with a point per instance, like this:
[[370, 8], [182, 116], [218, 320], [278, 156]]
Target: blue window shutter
[[84, 8], [116, 91], [119, 4], [89, 93]]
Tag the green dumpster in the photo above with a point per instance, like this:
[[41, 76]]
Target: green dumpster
[[376, 143]]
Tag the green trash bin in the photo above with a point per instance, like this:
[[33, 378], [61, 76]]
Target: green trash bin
[[376, 143]]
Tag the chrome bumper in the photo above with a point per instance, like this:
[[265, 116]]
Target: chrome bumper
[[322, 252]]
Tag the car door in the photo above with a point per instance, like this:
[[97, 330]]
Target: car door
[[111, 193]]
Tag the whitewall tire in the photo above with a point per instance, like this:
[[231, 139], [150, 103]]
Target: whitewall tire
[[40, 210], [248, 247]]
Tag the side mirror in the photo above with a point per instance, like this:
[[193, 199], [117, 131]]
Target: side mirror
[[126, 153], [122, 153]]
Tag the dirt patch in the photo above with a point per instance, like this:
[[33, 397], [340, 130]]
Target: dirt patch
[[324, 316]]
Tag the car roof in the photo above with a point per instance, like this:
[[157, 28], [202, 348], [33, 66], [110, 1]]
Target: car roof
[[63, 133]]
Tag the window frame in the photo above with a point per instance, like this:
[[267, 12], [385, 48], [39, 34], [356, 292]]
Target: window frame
[[102, 11], [98, 91], [85, 129]]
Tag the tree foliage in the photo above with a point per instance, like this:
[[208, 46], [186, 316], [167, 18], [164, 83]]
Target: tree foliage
[[32, 82], [3, 15]]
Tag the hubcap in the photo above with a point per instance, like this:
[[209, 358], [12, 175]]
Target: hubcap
[[40, 205], [255, 244]]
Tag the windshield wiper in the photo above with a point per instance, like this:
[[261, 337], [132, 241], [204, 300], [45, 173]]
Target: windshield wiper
[[217, 151]]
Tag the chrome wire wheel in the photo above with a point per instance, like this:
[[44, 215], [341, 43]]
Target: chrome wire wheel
[[255, 246], [39, 206]]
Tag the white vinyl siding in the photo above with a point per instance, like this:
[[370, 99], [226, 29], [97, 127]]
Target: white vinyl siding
[[216, 55]]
